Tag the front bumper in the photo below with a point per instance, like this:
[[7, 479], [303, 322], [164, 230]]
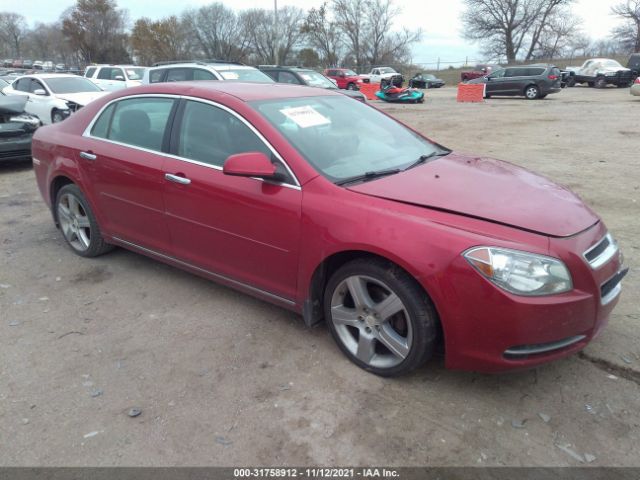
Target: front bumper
[[490, 330], [15, 147], [635, 90]]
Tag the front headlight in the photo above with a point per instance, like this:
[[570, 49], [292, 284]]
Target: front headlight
[[519, 272]]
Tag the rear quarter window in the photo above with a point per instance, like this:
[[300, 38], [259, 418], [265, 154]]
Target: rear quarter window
[[101, 126], [155, 76]]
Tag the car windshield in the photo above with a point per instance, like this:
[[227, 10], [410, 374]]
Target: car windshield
[[387, 70], [612, 64], [341, 138], [428, 76], [246, 75], [350, 73], [135, 73], [71, 85], [315, 79]]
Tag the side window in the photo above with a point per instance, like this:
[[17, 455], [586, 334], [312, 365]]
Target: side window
[[272, 73], [498, 74], [288, 77], [90, 71], [141, 122], [180, 74], [104, 73], [22, 85], [199, 74], [332, 73], [209, 135], [117, 74], [155, 76], [36, 85], [101, 127]]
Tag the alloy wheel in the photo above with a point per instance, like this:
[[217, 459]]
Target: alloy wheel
[[74, 222], [371, 321], [531, 93]]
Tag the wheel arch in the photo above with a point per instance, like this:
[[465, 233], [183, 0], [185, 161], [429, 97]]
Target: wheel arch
[[56, 184], [312, 311]]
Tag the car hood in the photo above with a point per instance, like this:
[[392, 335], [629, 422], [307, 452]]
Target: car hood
[[12, 104], [613, 69], [487, 189], [81, 98]]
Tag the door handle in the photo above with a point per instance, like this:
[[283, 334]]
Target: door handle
[[177, 179], [88, 155]]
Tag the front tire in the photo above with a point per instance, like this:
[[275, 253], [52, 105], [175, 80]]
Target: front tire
[[78, 223], [56, 116], [601, 82], [380, 317]]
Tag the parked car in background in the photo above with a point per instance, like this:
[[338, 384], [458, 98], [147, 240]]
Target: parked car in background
[[306, 76], [48, 66], [480, 70], [115, 77], [600, 72], [635, 88], [529, 81], [335, 210], [7, 62], [345, 78], [27, 64], [17, 64], [16, 128], [75, 70], [54, 96], [37, 65], [380, 74], [425, 80], [634, 62], [206, 70], [60, 67]]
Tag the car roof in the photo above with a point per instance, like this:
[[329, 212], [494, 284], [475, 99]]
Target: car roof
[[212, 66], [244, 91], [45, 76]]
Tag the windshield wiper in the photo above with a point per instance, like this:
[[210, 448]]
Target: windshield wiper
[[368, 176], [424, 158]]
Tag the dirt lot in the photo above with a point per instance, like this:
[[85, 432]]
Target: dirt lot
[[223, 379]]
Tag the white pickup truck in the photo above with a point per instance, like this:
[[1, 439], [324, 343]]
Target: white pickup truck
[[600, 72], [378, 74]]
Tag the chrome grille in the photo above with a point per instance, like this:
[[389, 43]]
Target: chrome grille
[[601, 252]]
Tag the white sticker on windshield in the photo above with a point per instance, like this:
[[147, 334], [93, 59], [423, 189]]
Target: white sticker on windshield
[[306, 116], [230, 75]]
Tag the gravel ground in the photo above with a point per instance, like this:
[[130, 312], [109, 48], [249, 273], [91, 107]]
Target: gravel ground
[[224, 379]]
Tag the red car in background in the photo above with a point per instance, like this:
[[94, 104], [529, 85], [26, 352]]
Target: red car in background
[[345, 78], [328, 207]]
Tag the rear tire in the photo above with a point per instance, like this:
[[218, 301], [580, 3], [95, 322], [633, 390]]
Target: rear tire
[[380, 317], [78, 223], [600, 82], [532, 92]]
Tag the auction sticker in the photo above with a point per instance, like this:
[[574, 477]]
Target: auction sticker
[[306, 116]]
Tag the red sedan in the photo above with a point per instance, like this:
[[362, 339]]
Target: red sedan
[[329, 207]]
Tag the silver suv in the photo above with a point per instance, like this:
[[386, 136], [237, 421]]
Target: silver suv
[[115, 77], [205, 70]]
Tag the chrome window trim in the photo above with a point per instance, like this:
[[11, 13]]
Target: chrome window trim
[[605, 256], [208, 272], [87, 133]]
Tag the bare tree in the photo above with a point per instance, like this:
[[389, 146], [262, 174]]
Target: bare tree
[[271, 44], [218, 32], [628, 32], [322, 33], [96, 29], [560, 35], [165, 39], [13, 29], [510, 28], [352, 20]]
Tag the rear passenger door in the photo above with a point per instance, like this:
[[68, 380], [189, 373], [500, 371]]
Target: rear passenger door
[[242, 228], [121, 156]]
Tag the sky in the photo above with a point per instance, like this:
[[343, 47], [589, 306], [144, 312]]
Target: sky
[[439, 19]]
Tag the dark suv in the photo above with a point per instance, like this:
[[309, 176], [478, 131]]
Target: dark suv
[[306, 76], [529, 81]]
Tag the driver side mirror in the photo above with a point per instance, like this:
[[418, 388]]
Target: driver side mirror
[[250, 164], [39, 91]]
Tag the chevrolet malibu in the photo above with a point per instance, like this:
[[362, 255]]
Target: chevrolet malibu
[[330, 208]]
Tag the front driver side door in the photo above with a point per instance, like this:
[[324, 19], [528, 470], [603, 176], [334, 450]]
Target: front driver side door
[[242, 228], [496, 83]]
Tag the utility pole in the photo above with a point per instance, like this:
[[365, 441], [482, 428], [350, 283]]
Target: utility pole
[[275, 30]]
